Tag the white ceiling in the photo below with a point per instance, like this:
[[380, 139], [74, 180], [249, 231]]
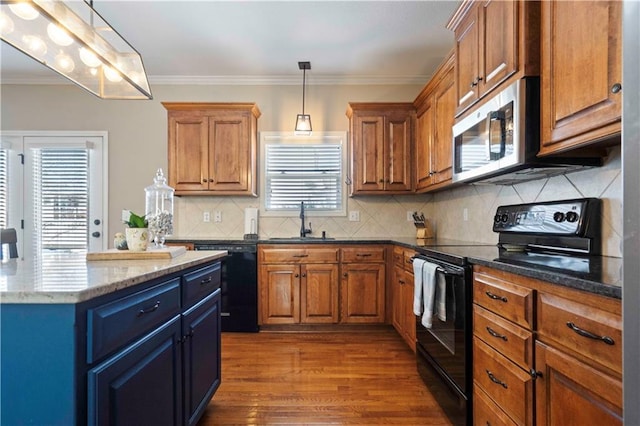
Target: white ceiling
[[261, 42]]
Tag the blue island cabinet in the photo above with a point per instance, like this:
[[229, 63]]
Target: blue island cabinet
[[148, 354]]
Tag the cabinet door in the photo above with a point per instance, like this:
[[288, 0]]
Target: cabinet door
[[140, 385], [279, 294], [580, 101], [319, 294], [398, 152], [362, 293], [445, 106], [229, 152], [425, 134], [407, 310], [368, 153], [397, 316], [202, 367], [568, 392], [188, 151], [467, 39], [498, 42]]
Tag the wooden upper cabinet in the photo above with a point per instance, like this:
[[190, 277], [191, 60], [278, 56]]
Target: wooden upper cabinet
[[212, 148], [381, 146], [435, 107], [495, 40], [581, 95]]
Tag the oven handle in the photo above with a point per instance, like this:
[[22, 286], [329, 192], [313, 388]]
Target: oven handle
[[444, 269]]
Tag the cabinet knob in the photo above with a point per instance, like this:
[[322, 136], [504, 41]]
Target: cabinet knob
[[381, 181], [204, 181], [304, 275], [616, 88], [296, 275], [344, 275]]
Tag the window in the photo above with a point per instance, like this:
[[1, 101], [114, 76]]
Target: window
[[303, 168]]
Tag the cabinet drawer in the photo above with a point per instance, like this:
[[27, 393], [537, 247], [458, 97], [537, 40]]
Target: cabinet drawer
[[299, 255], [510, 340], [508, 300], [408, 260], [589, 331], [114, 324], [362, 254], [196, 285], [398, 256], [508, 385], [486, 412]]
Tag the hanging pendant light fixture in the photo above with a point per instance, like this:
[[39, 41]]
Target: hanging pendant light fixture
[[303, 121], [71, 38]]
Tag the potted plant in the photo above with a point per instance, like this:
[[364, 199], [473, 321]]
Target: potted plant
[[137, 233]]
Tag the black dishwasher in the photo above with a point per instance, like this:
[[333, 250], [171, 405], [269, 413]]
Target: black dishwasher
[[239, 285]]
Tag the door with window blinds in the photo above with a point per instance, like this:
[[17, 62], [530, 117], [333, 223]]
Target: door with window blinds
[[60, 190]]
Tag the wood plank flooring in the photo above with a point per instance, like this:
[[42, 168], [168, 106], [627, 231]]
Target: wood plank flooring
[[338, 378]]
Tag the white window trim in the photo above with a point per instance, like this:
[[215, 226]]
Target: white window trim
[[292, 138]]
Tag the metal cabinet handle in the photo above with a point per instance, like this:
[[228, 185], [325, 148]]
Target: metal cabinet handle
[[149, 310], [363, 254], [496, 297], [206, 281], [584, 333], [616, 88], [495, 334], [344, 275], [304, 275], [300, 255], [296, 275], [401, 282], [381, 181], [495, 380]]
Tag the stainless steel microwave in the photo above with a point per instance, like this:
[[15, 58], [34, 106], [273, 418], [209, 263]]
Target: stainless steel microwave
[[499, 141]]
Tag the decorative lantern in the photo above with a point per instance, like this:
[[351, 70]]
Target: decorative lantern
[[159, 208]]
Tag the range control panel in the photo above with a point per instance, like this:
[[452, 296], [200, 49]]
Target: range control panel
[[566, 217]]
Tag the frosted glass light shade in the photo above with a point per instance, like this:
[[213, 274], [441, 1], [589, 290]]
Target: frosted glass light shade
[[79, 23], [303, 124]]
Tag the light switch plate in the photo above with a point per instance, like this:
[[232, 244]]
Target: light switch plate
[[354, 216], [217, 216], [206, 217]]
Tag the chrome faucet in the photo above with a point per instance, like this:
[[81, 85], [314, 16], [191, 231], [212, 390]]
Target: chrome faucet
[[303, 231]]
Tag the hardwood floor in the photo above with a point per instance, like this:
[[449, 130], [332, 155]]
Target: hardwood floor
[[349, 378]]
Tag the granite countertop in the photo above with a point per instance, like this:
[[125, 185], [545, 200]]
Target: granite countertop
[[596, 274], [70, 278]]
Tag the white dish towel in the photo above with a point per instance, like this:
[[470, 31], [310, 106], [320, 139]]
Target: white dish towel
[[428, 292], [441, 303], [417, 285]]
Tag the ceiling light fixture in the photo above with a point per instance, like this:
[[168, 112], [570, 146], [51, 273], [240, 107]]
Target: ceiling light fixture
[[303, 121], [71, 38]]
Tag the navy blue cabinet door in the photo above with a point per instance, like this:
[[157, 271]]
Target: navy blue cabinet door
[[201, 327], [141, 384]]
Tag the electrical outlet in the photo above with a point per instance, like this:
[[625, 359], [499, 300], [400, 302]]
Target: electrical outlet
[[354, 216], [409, 216], [206, 217], [465, 214], [217, 216]]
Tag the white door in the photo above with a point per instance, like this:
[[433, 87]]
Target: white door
[[62, 193]]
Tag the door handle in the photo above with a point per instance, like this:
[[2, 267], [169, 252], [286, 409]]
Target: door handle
[[95, 234]]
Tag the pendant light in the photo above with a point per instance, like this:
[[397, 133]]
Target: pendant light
[[303, 121], [71, 38]]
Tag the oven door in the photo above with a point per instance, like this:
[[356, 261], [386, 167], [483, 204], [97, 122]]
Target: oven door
[[447, 342]]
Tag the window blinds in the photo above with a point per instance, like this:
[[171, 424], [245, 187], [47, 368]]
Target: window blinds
[[4, 187], [303, 172], [61, 198]]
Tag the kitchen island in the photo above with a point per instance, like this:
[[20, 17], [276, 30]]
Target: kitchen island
[[109, 342]]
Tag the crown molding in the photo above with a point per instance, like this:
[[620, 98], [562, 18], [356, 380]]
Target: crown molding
[[241, 80]]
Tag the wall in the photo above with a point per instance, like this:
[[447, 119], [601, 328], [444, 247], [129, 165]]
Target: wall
[[138, 145]]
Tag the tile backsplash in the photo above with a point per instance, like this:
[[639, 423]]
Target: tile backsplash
[[386, 216]]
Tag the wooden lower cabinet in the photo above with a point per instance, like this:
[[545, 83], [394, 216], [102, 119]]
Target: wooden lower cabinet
[[362, 293], [546, 346], [321, 284], [403, 318]]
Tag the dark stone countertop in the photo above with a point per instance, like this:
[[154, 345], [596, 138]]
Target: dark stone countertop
[[596, 274]]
